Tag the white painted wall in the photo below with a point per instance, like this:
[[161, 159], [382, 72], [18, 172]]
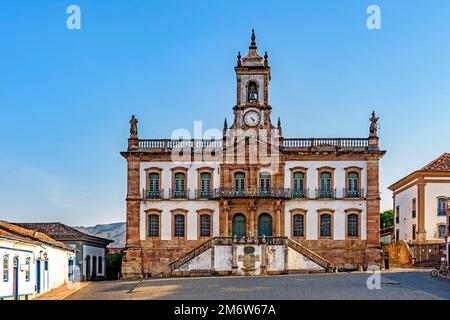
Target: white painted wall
[[92, 251], [57, 274], [297, 261], [403, 200], [223, 256], [432, 220], [312, 218], [166, 216]]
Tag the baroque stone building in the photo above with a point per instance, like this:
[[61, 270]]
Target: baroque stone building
[[302, 204]]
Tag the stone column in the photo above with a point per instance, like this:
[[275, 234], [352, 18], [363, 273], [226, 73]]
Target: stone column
[[421, 232], [132, 260], [373, 204], [277, 219]]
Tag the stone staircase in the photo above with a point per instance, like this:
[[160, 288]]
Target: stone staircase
[[176, 264], [309, 254]]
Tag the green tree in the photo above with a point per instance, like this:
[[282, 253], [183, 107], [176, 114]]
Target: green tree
[[387, 219]]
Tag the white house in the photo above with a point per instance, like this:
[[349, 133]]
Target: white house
[[31, 262], [421, 202], [90, 250]]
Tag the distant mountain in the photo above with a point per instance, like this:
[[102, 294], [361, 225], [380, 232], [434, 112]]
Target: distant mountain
[[113, 231]]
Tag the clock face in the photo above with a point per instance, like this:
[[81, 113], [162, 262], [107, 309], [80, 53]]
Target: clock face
[[251, 118]]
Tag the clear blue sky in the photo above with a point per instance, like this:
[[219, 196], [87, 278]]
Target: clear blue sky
[[66, 96]]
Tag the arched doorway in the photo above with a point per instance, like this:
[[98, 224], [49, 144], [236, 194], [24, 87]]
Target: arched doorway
[[94, 267], [264, 225], [239, 226], [88, 268]]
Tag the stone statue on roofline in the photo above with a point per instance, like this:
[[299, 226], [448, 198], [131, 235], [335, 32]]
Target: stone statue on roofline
[[133, 126], [374, 125]]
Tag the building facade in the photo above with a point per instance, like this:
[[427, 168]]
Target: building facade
[[321, 193], [32, 262], [421, 203], [90, 250]]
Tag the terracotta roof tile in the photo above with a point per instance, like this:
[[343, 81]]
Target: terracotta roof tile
[[441, 164], [18, 232]]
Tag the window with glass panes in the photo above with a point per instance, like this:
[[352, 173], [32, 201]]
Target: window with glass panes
[[6, 268], [441, 230], [179, 225], [180, 184], [298, 225], [352, 184], [325, 225], [239, 181], [153, 184], [298, 183], [352, 225], [441, 206], [325, 184], [27, 271], [205, 183], [205, 225], [153, 225], [264, 182]]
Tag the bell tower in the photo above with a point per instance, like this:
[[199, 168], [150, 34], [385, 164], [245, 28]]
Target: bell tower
[[252, 109]]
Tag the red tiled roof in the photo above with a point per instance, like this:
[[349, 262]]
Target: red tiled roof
[[19, 233], [59, 231], [441, 164]]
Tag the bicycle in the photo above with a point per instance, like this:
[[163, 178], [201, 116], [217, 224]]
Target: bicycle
[[440, 269]]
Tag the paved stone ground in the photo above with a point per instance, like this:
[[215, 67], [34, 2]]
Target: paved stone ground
[[346, 286], [62, 292]]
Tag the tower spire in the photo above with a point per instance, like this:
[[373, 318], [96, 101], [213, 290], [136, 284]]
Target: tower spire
[[253, 37]]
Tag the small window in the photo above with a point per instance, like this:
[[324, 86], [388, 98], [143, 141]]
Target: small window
[[205, 225], [397, 235], [397, 214], [325, 225], [352, 225], [28, 268], [153, 225], [414, 205], [239, 181], [205, 184], [325, 185], [180, 185], [414, 232], [298, 184], [353, 185], [6, 268], [264, 183], [298, 225], [441, 231], [100, 265], [442, 202], [179, 224], [153, 185]]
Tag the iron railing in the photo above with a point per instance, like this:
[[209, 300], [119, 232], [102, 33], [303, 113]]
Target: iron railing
[[220, 193]]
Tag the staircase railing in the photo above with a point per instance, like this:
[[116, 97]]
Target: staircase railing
[[191, 255], [309, 254]]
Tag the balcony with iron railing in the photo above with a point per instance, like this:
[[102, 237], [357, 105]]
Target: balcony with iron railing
[[353, 194], [219, 193]]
